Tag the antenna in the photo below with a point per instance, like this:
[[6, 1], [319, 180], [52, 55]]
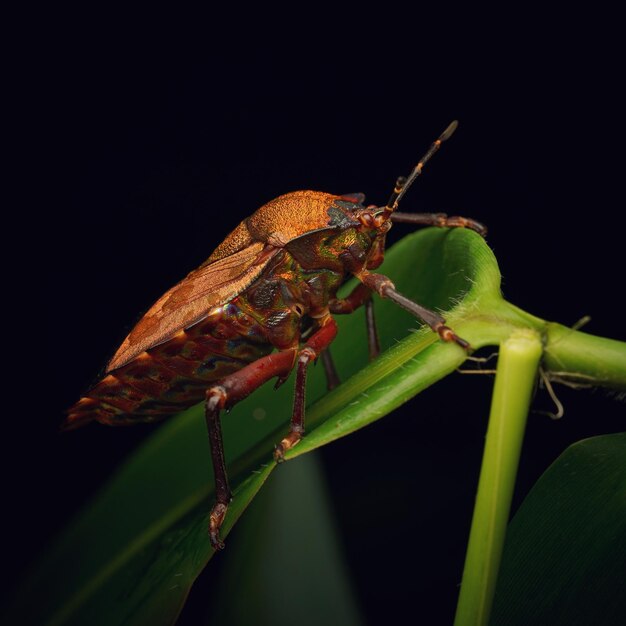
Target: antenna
[[403, 184]]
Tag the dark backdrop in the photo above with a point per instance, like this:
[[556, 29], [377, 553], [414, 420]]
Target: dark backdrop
[[151, 144]]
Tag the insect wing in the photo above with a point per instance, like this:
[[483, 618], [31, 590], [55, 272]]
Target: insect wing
[[189, 301]]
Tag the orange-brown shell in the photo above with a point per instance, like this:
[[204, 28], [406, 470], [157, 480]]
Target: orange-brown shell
[[279, 221], [234, 265]]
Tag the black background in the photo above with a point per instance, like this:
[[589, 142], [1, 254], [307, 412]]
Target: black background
[[148, 144]]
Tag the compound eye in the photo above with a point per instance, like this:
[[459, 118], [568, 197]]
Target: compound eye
[[367, 219], [372, 219]]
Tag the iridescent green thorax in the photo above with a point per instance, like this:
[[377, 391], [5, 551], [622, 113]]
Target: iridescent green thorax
[[286, 293]]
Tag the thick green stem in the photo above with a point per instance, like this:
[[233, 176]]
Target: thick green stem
[[579, 358], [570, 356], [515, 378]]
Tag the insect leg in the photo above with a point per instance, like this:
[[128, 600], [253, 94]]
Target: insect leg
[[223, 494], [439, 219], [332, 378], [372, 334], [233, 388], [359, 296], [386, 289], [320, 340]]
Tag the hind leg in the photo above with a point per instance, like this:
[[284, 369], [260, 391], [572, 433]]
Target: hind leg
[[233, 388], [242, 383]]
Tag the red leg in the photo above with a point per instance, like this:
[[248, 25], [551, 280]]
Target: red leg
[[386, 289], [318, 342], [359, 296], [242, 383], [356, 298], [232, 389]]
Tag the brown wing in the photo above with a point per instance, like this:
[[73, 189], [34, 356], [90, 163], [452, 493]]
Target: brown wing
[[233, 266], [190, 300]]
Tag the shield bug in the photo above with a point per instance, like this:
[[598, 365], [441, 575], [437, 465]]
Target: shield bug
[[260, 306]]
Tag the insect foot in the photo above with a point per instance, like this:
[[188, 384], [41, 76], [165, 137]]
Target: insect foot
[[447, 334], [216, 517], [287, 443]]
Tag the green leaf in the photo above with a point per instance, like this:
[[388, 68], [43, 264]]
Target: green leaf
[[564, 560], [132, 555]]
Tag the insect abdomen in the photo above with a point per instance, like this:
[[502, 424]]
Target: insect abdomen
[[174, 375]]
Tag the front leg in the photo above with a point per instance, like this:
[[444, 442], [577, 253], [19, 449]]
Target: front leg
[[386, 289], [439, 219]]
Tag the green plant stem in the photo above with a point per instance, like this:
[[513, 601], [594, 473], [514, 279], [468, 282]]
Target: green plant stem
[[518, 363], [570, 356], [578, 358]]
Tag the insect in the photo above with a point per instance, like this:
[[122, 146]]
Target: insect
[[260, 306]]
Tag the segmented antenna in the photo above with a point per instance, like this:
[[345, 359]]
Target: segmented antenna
[[397, 190], [403, 184]]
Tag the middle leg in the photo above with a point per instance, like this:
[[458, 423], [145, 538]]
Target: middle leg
[[318, 342], [359, 296]]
